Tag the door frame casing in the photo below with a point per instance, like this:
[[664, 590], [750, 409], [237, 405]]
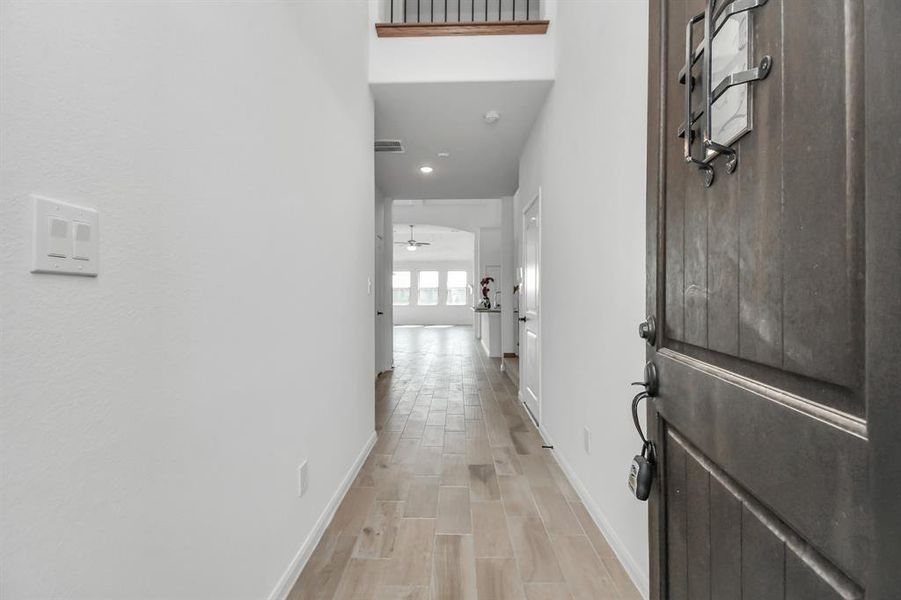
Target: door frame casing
[[882, 147], [656, 190], [536, 200]]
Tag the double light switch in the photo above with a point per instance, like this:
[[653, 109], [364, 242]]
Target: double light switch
[[66, 238]]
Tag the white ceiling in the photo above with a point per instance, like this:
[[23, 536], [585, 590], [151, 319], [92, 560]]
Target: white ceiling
[[450, 245], [448, 117]]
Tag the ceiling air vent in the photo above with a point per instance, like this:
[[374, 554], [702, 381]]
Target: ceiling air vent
[[395, 146]]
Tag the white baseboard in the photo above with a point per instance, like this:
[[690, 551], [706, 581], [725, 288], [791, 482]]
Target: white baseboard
[[639, 577], [289, 578]]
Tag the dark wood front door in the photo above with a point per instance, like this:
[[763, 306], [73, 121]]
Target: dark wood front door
[[776, 293]]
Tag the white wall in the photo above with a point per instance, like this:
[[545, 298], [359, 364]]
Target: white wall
[[466, 215], [442, 244], [152, 419], [592, 264], [414, 314]]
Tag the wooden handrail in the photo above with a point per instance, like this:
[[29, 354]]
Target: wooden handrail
[[462, 28]]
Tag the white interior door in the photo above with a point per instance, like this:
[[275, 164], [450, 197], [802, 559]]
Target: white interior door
[[530, 310], [380, 358]]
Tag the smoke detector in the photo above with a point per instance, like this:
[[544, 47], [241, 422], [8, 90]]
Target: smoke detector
[[492, 116]]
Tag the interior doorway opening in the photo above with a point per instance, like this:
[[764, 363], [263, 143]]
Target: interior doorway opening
[[433, 275]]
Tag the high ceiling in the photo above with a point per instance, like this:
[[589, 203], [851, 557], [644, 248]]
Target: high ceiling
[[447, 244], [431, 118]]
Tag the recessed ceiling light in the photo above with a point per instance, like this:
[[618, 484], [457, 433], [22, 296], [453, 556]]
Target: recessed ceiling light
[[425, 169], [443, 154], [492, 116]]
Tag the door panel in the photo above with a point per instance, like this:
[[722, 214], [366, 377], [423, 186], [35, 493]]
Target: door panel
[[757, 283], [760, 213], [530, 369], [808, 464], [381, 353], [797, 297], [823, 245], [725, 544]]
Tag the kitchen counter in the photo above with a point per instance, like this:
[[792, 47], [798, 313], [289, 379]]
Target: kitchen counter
[[488, 330]]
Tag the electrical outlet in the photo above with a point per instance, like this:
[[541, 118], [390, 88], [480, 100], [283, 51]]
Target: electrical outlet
[[303, 478], [586, 438]]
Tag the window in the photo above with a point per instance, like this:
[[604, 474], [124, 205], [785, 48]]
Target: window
[[456, 288], [428, 288], [400, 281]]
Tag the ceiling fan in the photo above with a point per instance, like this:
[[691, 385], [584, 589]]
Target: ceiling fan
[[412, 245]]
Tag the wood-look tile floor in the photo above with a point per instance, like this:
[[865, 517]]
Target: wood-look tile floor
[[458, 500]]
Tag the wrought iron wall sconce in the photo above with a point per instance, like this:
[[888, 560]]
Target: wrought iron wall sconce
[[726, 45]]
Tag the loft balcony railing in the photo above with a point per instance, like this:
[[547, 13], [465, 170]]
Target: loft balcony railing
[[409, 18]]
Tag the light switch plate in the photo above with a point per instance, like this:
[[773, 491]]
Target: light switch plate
[[66, 238]]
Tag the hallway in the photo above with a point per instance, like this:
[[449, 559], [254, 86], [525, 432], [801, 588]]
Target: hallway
[[458, 499]]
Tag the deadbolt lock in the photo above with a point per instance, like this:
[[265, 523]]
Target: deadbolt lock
[[648, 330]]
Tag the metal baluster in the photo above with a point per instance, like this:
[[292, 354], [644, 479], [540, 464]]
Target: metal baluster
[[445, 11], [486, 11], [405, 11], [513, 18], [417, 10], [432, 10], [527, 9], [458, 11], [500, 3], [472, 15], [392, 11]]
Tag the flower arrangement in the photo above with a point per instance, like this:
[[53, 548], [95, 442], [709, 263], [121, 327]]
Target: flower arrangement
[[486, 301]]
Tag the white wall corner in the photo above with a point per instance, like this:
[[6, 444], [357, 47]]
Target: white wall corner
[[639, 576], [295, 567]]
